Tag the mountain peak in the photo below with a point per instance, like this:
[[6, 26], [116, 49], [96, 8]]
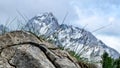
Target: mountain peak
[[46, 17], [43, 24]]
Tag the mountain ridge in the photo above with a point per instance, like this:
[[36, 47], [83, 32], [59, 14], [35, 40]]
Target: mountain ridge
[[76, 39]]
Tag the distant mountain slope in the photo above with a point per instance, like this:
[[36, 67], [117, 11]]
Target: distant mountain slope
[[76, 39], [3, 29]]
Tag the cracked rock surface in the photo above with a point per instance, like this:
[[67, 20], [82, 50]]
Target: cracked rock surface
[[21, 49]]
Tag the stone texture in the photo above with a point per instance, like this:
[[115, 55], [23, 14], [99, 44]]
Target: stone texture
[[21, 49]]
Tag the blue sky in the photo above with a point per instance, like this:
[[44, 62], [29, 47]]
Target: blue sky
[[95, 13]]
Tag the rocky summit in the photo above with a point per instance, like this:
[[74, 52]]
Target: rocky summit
[[19, 49]]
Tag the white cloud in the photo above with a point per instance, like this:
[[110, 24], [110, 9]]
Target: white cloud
[[111, 41], [90, 17], [97, 17], [111, 19]]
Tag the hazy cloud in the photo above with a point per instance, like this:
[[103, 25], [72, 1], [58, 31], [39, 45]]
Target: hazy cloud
[[32, 7]]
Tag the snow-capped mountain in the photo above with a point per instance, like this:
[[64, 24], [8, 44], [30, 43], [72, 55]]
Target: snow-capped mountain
[[73, 38], [43, 24]]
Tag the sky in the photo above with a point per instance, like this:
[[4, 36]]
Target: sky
[[94, 14]]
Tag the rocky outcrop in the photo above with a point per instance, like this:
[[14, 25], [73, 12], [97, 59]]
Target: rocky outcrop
[[21, 49]]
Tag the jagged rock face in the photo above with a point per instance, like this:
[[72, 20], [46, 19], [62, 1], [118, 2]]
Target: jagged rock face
[[77, 39], [47, 27], [23, 50]]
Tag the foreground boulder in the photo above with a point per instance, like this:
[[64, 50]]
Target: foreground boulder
[[21, 49]]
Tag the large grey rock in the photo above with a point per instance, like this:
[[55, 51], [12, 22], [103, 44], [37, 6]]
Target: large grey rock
[[21, 49]]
